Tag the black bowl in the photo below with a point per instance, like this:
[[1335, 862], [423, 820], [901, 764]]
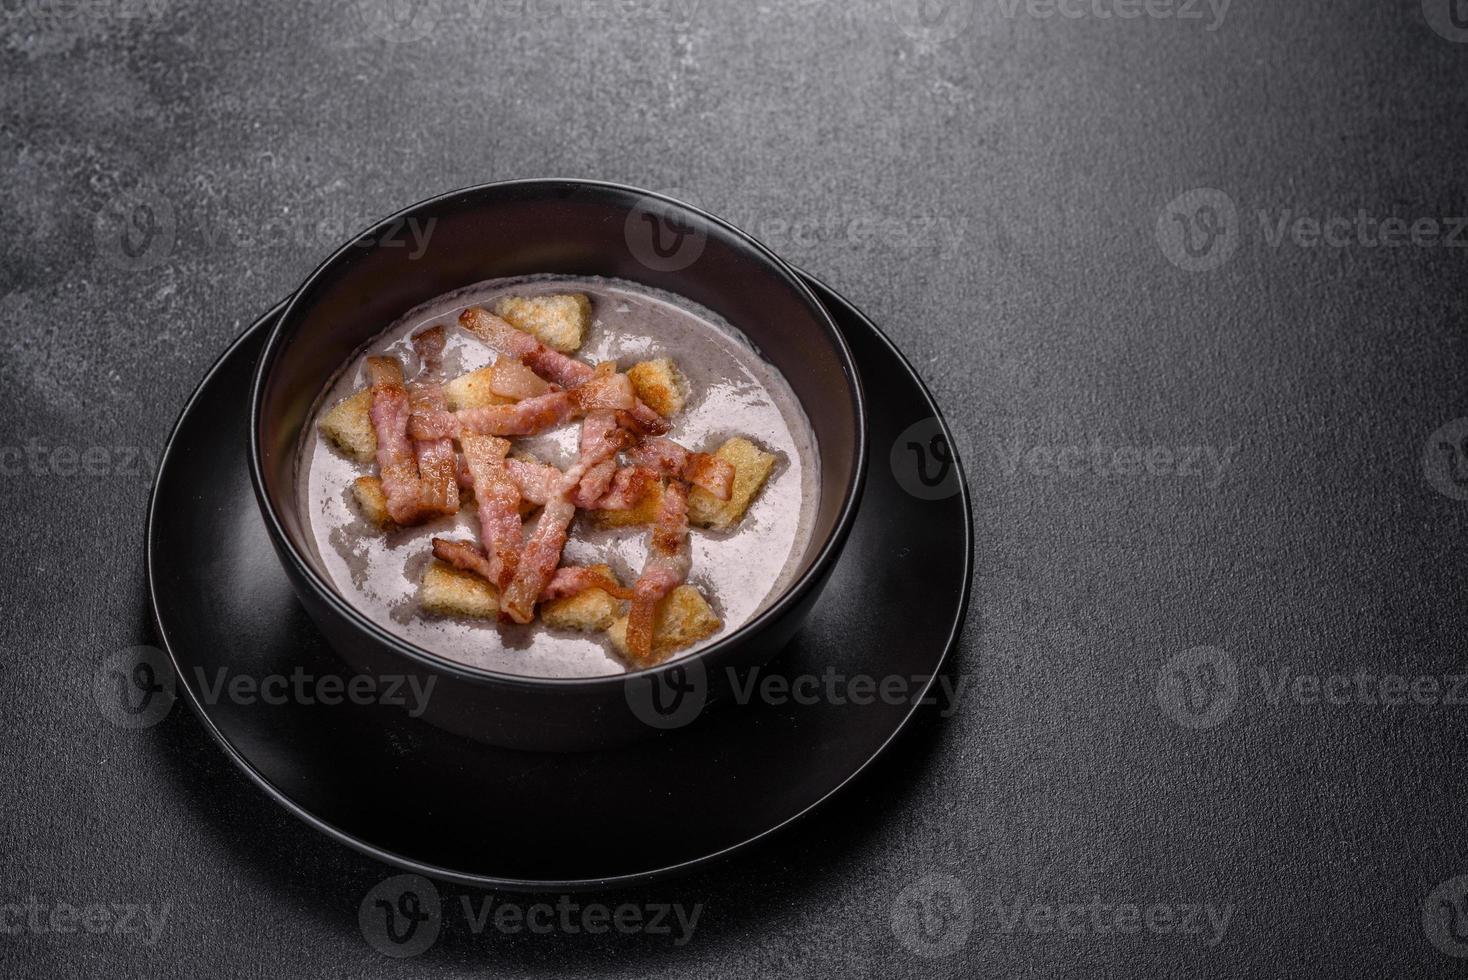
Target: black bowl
[[573, 228]]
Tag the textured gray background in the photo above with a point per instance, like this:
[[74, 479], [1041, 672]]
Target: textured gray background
[[988, 188]]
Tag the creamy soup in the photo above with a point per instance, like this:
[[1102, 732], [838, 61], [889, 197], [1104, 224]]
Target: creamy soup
[[732, 392]]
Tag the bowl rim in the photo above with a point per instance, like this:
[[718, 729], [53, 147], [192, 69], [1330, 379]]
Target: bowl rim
[[809, 579]]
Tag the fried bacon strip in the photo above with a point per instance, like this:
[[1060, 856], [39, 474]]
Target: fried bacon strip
[[512, 379], [464, 555], [629, 485], [497, 497], [700, 469], [429, 346], [572, 580], [551, 365], [666, 568], [601, 439], [605, 389], [530, 416], [429, 423], [537, 481], [539, 560], [397, 462], [594, 484], [524, 418], [568, 580], [438, 487], [710, 473]]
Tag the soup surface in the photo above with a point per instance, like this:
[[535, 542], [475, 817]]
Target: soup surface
[[732, 391]]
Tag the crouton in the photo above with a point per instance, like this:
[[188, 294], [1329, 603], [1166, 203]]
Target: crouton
[[372, 502], [450, 592], [473, 390], [557, 321], [683, 618], [752, 467], [646, 511], [661, 385], [349, 425], [590, 612]]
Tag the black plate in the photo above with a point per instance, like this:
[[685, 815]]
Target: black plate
[[417, 797]]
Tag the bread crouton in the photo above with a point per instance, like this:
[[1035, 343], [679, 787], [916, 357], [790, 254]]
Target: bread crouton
[[349, 425], [372, 502], [472, 390], [591, 611], [646, 511], [752, 466], [661, 385], [683, 618], [450, 592], [557, 321]]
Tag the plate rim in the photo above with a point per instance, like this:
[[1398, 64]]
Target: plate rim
[[411, 865]]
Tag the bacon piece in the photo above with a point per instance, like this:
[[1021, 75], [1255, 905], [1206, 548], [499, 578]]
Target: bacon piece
[[539, 560], [639, 424], [700, 469], [498, 333], [438, 487], [594, 484], [648, 422], [551, 365], [464, 555], [666, 568], [527, 418], [611, 391], [572, 580], [601, 439], [569, 580], [629, 486], [512, 379], [498, 500], [429, 345], [397, 463], [710, 473], [537, 481], [663, 455], [430, 423]]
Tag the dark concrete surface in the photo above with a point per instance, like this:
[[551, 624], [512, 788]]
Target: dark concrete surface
[[1002, 187]]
